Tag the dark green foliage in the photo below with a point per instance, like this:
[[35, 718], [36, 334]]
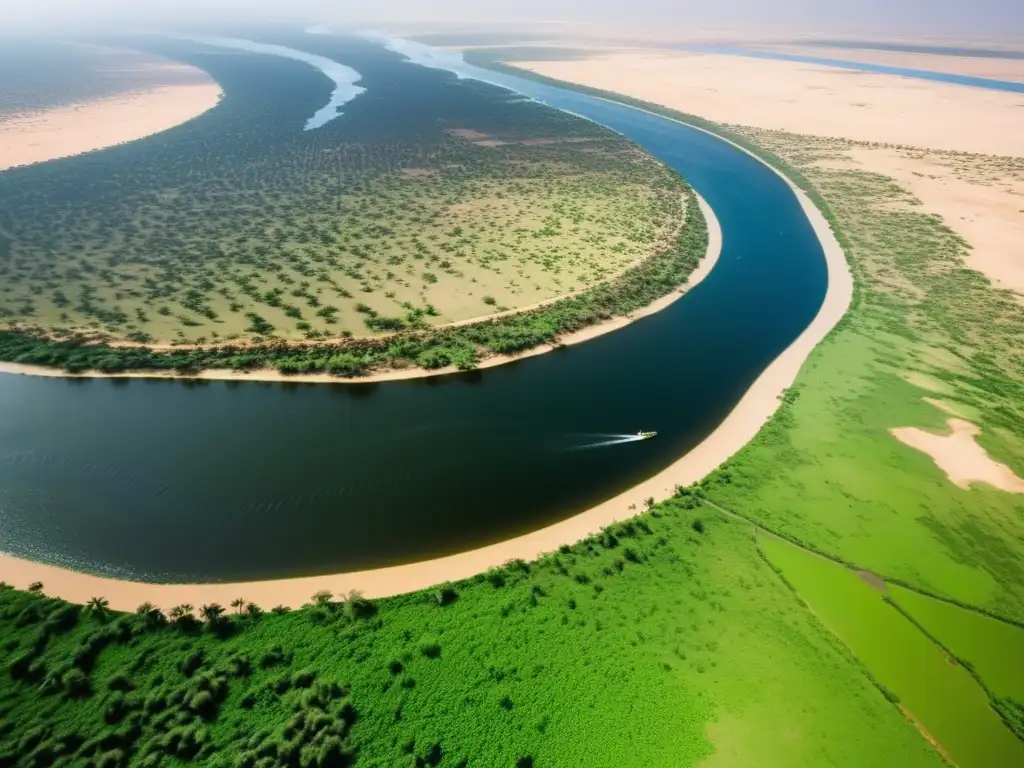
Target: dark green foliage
[[161, 694]]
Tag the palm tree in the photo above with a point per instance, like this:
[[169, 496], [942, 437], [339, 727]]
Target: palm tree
[[98, 606], [36, 587], [253, 611], [238, 604], [323, 597], [150, 614], [212, 612]]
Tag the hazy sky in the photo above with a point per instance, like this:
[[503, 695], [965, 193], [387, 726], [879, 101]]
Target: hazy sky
[[1003, 19]]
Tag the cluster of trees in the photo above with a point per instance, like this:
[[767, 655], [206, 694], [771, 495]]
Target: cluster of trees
[[242, 686], [461, 346], [240, 224]]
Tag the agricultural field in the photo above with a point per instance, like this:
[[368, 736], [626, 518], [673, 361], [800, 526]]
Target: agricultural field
[[989, 648], [663, 641], [951, 709], [242, 226]]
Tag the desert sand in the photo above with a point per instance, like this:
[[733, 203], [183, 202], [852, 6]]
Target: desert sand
[[960, 457], [807, 98], [72, 129], [756, 406], [981, 199], [714, 250], [922, 130], [974, 66]]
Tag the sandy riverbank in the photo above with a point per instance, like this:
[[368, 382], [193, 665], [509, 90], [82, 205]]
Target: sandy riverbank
[[973, 66], [807, 98], [979, 195], [72, 129], [757, 405], [703, 269]]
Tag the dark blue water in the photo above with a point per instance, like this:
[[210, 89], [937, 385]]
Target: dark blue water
[[919, 74], [222, 481]]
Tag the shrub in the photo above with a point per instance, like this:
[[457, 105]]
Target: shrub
[[192, 662], [445, 595], [76, 684], [430, 647]]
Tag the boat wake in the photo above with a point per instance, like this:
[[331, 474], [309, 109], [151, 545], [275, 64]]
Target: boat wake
[[613, 440]]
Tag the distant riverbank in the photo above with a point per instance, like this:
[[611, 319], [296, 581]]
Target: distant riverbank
[[49, 134]]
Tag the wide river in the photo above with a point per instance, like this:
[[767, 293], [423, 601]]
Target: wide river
[[219, 481]]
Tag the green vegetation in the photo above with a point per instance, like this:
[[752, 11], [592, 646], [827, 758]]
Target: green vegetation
[[990, 649], [455, 345], [650, 644], [942, 696], [254, 232]]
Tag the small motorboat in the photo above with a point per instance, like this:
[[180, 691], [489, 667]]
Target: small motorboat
[[646, 435]]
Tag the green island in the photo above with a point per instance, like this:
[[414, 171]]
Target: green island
[[342, 249], [879, 608]]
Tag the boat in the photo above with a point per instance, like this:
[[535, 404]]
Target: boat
[[646, 435]]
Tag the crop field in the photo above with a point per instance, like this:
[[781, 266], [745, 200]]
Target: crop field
[[240, 225], [990, 648], [665, 641], [942, 697]]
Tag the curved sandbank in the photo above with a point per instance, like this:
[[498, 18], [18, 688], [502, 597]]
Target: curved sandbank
[[745, 420], [344, 78], [90, 125], [707, 263]]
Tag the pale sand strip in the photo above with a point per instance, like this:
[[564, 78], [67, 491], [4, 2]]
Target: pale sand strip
[[740, 426], [959, 455], [714, 249], [88, 126]]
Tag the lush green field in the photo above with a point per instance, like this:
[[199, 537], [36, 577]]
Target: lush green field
[[989, 648], [654, 644], [941, 696]]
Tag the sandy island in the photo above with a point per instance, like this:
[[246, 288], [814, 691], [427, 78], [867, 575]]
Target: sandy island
[[756, 406], [707, 263], [169, 94]]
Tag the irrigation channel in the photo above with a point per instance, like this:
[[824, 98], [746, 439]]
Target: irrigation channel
[[177, 481]]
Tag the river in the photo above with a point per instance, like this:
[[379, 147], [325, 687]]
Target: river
[[225, 481]]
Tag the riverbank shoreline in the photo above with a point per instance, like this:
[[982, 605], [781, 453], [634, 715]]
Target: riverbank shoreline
[[748, 416], [89, 126], [272, 375]]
